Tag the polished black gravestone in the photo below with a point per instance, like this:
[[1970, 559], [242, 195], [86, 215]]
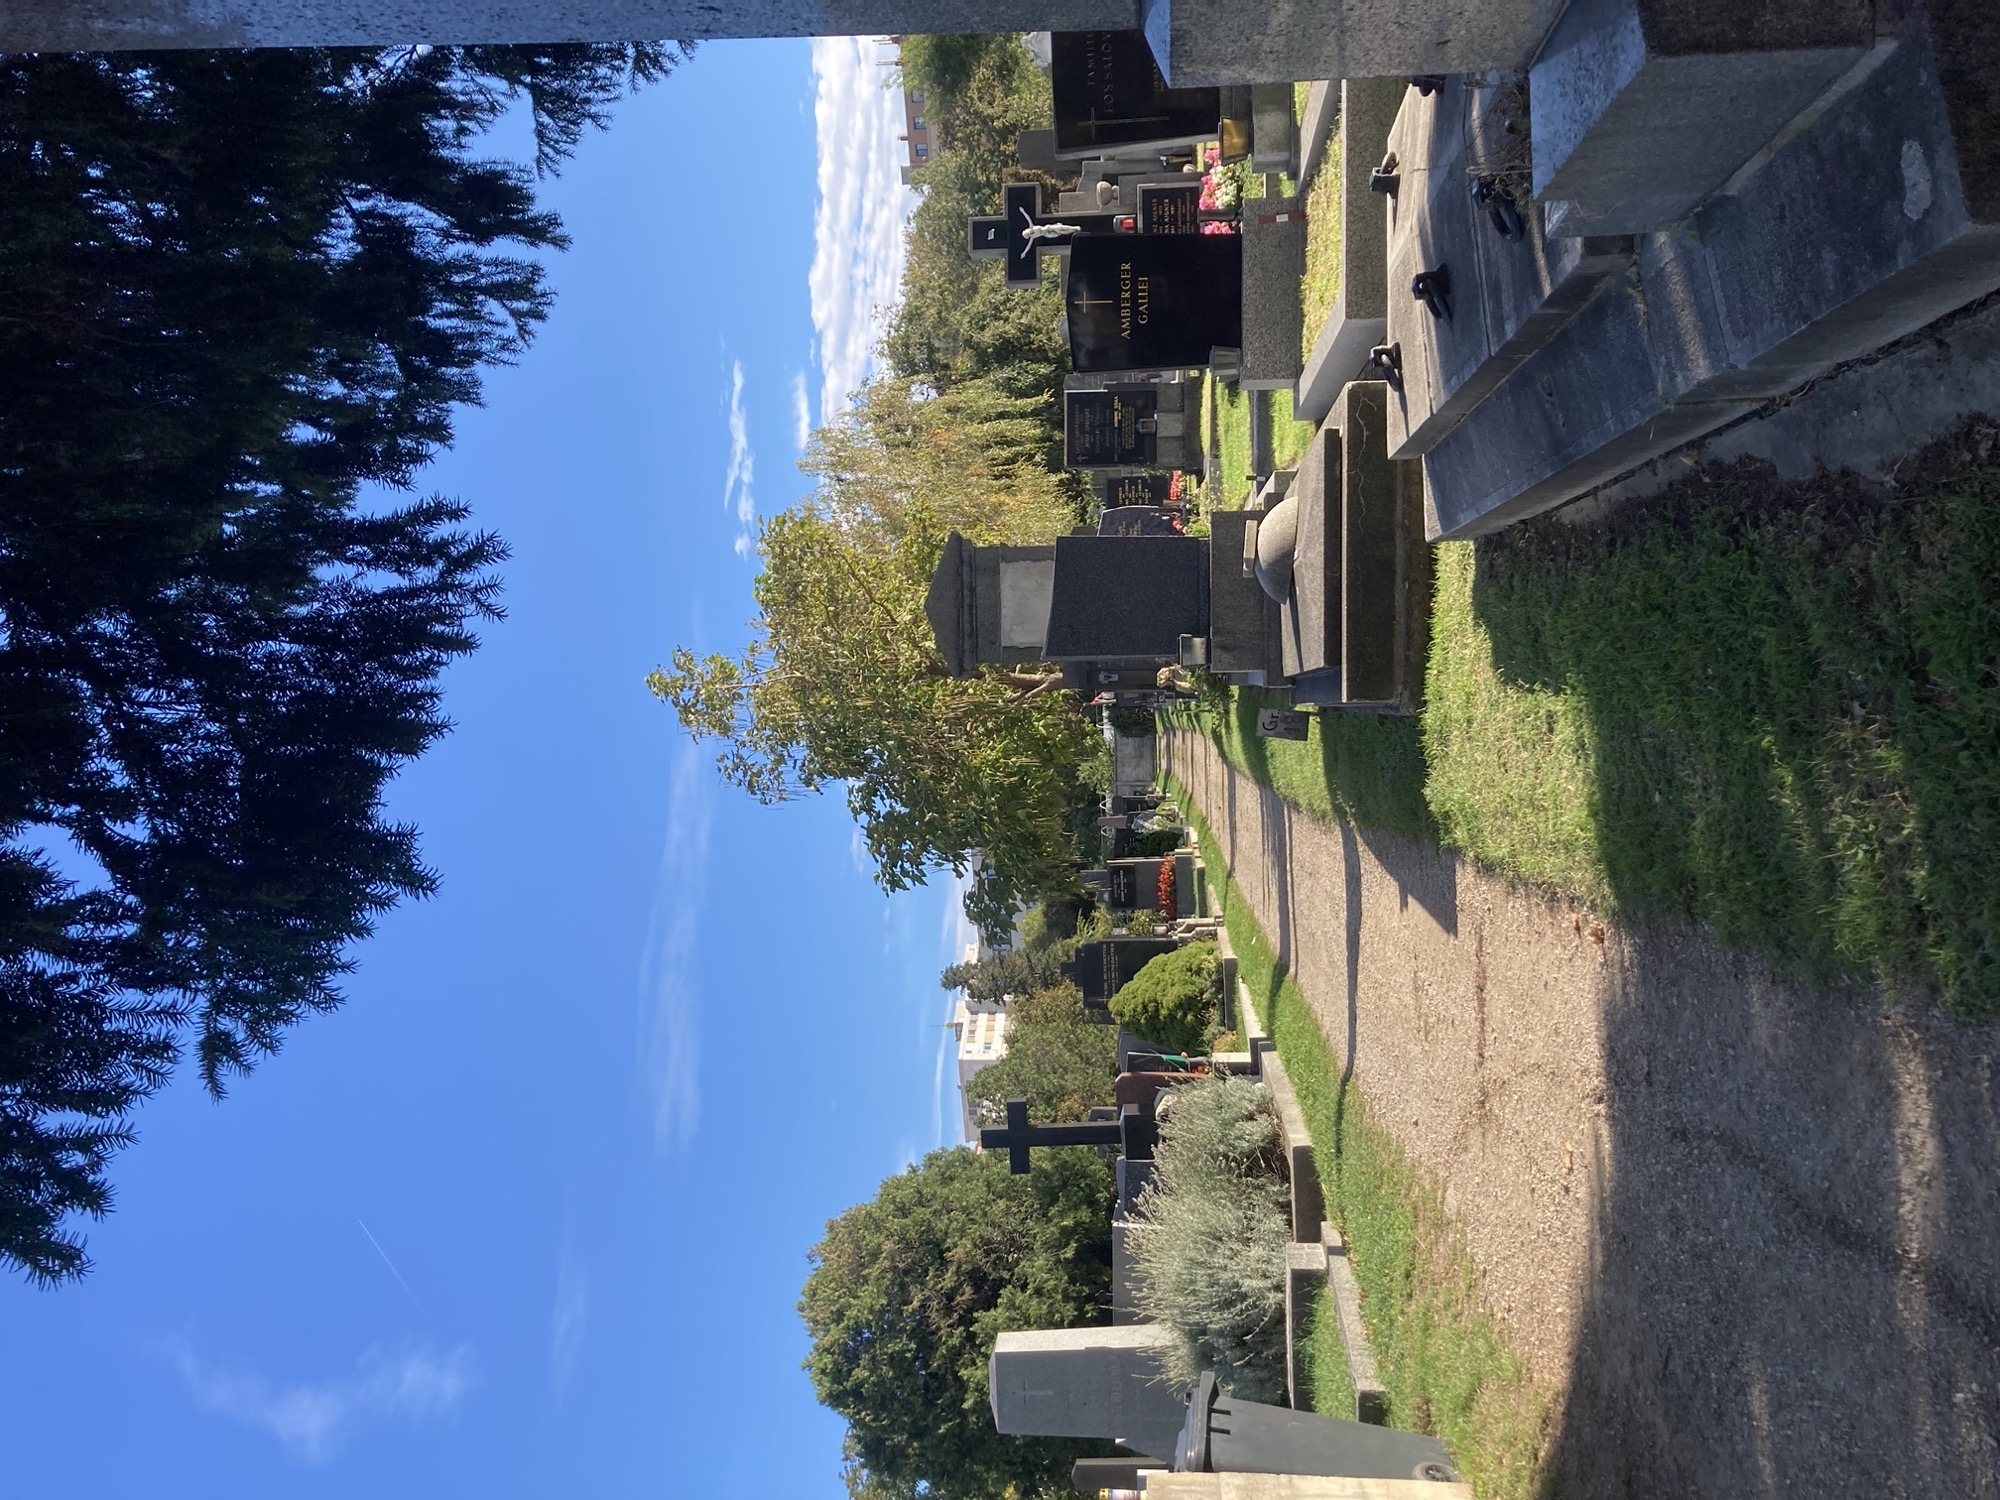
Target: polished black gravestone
[[1138, 519], [1116, 427], [1153, 302], [1108, 93], [1102, 965]]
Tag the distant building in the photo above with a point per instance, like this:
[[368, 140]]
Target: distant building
[[916, 129], [981, 1027]]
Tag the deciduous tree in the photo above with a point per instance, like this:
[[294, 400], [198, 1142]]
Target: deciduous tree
[[908, 1292]]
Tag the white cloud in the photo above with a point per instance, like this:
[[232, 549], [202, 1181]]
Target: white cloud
[[567, 1318], [736, 494], [802, 416], [863, 206], [670, 1045], [313, 1420]]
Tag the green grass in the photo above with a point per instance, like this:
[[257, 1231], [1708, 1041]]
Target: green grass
[[1320, 287], [1772, 709], [1445, 1363], [1323, 1359], [1228, 487], [1365, 768]]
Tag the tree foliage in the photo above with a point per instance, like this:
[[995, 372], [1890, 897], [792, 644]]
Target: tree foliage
[[1171, 1000], [1011, 972], [908, 1292], [235, 288], [842, 683], [1057, 1059]]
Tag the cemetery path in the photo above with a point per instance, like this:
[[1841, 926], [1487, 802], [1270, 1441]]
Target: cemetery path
[[1747, 1228]]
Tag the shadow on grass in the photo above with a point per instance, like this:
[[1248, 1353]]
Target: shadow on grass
[[1787, 700], [1364, 768]]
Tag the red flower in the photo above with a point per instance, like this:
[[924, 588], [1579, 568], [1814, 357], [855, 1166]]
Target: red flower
[[1166, 887]]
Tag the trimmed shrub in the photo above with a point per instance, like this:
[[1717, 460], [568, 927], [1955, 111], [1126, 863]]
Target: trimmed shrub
[[1209, 1241], [1170, 1001]]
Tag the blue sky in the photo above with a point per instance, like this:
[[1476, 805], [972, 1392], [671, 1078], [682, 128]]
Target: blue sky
[[528, 1217]]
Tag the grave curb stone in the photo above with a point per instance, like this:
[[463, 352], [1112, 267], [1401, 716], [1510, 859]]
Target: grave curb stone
[[1371, 1400], [1162, 1484], [1305, 1283], [1358, 320], [1385, 574], [1316, 128], [1308, 1205]]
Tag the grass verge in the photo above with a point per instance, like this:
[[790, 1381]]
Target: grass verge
[[1445, 1362], [1773, 709], [1228, 486], [1320, 287]]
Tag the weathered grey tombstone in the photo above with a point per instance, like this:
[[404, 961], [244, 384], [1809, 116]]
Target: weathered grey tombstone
[[1104, 1383], [1274, 132], [1244, 624], [1641, 110], [1772, 282], [1358, 320], [1308, 570], [1274, 258], [990, 604]]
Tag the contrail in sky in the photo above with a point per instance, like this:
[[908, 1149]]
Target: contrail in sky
[[392, 1269]]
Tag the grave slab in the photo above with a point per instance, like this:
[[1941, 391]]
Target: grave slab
[[1358, 320], [1305, 1284], [1220, 41], [1274, 132], [1311, 613], [1371, 1400], [1274, 258], [1385, 564], [1642, 109], [1100, 1383], [1497, 296], [1765, 288]]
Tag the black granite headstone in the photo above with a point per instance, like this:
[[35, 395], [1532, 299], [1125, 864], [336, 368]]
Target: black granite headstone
[[1124, 597], [1153, 301], [1170, 207], [1111, 429], [1139, 520], [1108, 92], [1102, 965], [1137, 489]]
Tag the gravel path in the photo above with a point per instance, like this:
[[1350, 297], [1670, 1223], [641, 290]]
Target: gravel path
[[1749, 1229]]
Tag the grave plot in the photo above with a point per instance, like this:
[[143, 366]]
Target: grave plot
[[1474, 284], [1775, 279], [1343, 556]]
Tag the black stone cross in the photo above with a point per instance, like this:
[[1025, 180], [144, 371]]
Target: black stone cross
[[1017, 1135], [1005, 236]]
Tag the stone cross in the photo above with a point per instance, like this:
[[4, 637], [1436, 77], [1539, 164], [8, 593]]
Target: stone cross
[[1017, 1135], [1021, 234]]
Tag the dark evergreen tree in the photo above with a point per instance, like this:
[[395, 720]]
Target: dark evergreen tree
[[235, 290]]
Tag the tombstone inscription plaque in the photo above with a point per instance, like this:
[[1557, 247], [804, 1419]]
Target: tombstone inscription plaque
[[1114, 428], [1170, 208], [1122, 490], [1102, 965]]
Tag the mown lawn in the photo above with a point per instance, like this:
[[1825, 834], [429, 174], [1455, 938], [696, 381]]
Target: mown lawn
[[1228, 488], [1772, 709], [1320, 288], [1447, 1366]]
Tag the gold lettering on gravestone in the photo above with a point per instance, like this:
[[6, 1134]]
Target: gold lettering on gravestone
[[1125, 299]]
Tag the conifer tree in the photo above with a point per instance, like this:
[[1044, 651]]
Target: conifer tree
[[235, 288]]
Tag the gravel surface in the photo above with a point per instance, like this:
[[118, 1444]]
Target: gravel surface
[[1748, 1228]]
